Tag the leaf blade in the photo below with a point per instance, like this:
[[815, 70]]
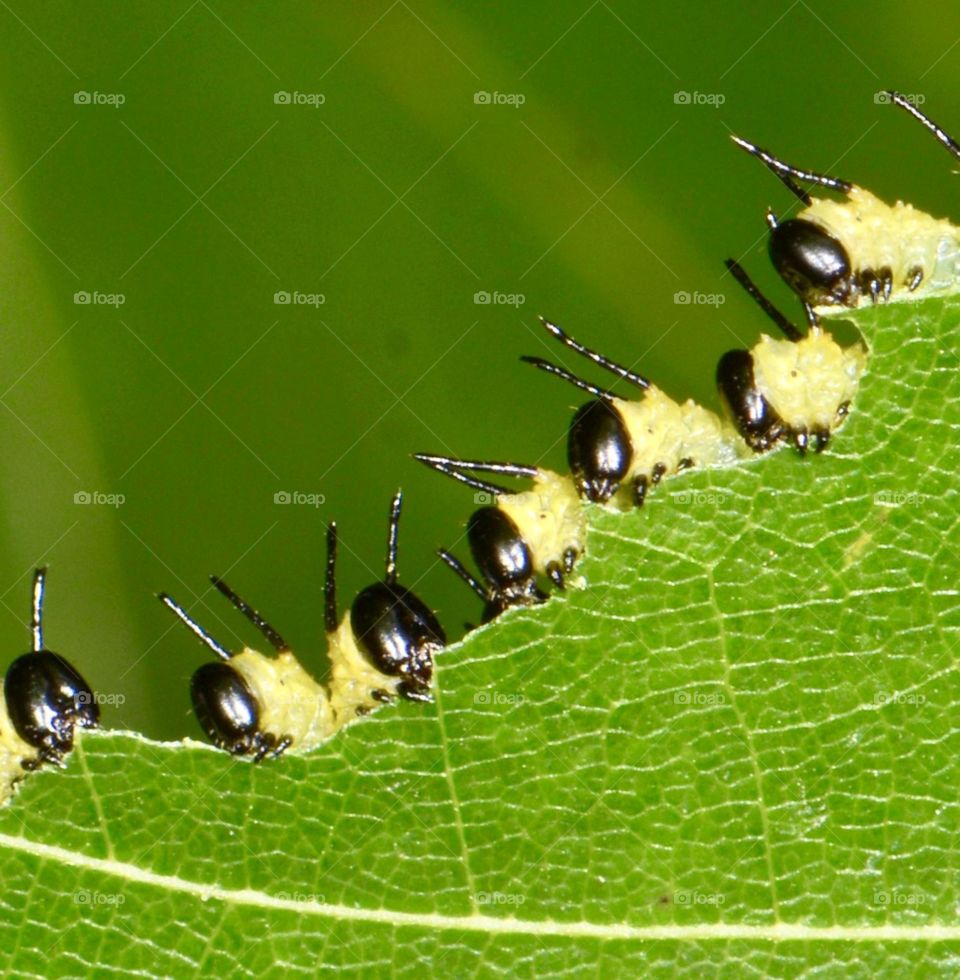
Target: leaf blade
[[739, 732]]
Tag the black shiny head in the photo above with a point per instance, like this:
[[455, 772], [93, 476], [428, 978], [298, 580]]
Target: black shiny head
[[46, 698], [503, 557], [499, 550], [226, 709], [755, 419], [599, 450], [394, 629], [399, 634], [814, 264]]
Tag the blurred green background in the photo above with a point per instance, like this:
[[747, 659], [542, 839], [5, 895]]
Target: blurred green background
[[397, 196]]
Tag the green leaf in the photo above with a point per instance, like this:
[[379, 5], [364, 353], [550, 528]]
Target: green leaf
[[735, 751]]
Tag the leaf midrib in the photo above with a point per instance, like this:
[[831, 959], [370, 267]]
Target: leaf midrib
[[775, 932]]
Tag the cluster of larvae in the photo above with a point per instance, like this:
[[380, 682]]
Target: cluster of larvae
[[793, 389], [797, 389]]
